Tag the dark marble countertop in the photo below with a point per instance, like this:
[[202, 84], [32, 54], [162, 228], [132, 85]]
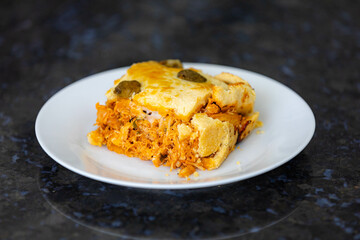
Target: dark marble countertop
[[313, 47]]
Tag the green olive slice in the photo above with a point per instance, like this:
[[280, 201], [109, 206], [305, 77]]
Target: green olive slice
[[190, 75], [126, 89], [174, 63]]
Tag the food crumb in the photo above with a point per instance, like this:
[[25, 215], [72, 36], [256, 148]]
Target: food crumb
[[239, 166], [238, 147], [259, 132], [258, 124], [167, 174], [196, 174], [187, 179]]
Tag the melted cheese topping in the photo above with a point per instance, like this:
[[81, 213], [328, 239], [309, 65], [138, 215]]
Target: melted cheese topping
[[163, 91]]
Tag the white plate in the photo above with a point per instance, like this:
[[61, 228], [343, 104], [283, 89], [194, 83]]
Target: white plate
[[63, 122]]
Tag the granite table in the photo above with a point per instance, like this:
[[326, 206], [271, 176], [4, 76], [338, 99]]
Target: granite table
[[313, 47]]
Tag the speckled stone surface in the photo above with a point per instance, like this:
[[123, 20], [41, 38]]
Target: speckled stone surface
[[311, 46]]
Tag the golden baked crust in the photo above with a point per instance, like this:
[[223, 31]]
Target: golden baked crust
[[181, 118]]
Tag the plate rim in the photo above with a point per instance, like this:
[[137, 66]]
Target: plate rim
[[176, 186]]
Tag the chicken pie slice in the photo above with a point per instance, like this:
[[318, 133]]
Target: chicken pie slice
[[176, 117]]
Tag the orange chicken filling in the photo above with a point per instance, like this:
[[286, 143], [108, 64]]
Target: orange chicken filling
[[126, 128]]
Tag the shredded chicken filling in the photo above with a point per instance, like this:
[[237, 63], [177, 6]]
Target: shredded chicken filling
[[127, 128]]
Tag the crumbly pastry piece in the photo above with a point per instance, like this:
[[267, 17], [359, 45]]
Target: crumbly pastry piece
[[181, 118]]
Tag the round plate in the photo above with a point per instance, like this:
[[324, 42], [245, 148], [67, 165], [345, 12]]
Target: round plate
[[64, 121]]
